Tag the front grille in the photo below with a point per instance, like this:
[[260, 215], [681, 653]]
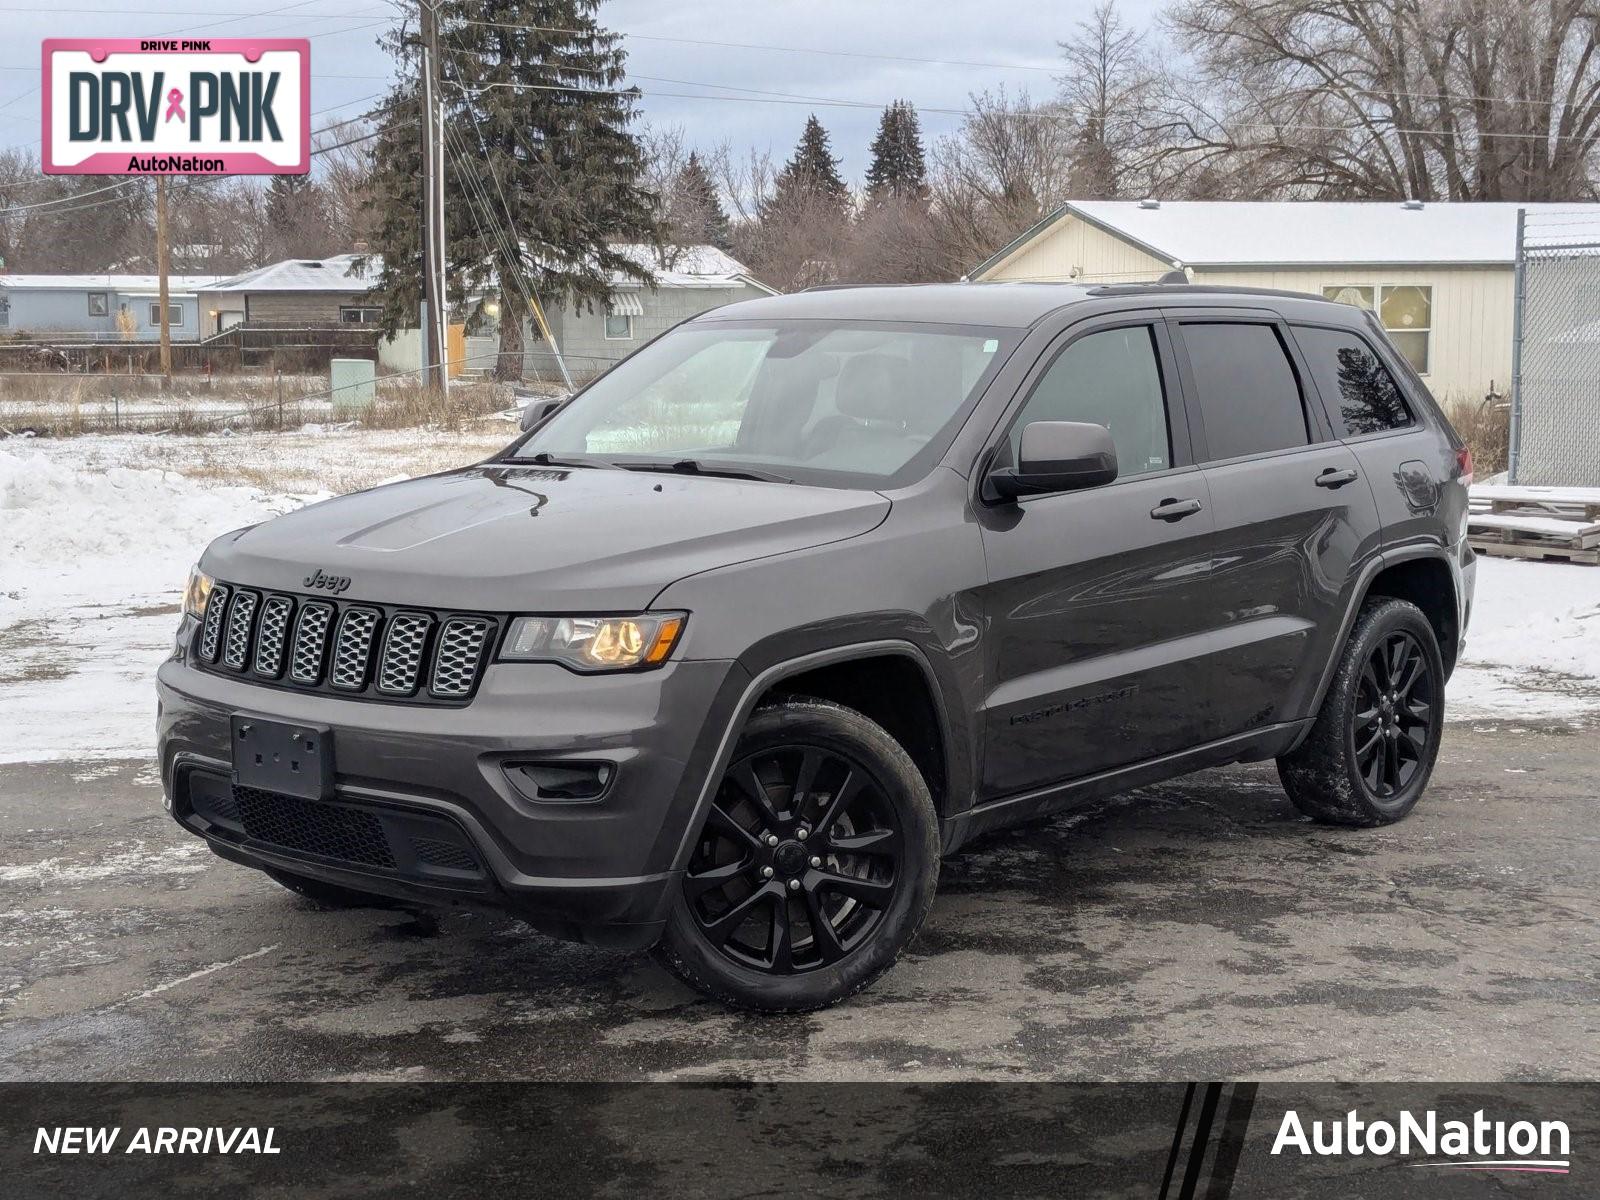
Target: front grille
[[352, 648], [241, 625], [312, 827], [357, 649], [444, 854], [311, 642], [273, 635], [211, 630], [403, 647], [460, 656]]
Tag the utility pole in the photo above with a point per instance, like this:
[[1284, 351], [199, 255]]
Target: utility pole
[[162, 267], [435, 340]]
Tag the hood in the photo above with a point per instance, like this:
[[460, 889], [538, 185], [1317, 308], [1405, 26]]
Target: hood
[[507, 538]]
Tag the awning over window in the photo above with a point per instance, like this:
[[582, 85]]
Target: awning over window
[[625, 304]]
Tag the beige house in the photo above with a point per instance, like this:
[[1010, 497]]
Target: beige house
[[295, 294], [1441, 276]]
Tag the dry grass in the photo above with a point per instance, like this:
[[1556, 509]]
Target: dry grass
[[71, 405], [407, 405], [1486, 426]]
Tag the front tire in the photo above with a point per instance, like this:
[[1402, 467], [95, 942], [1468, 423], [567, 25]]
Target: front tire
[[815, 867], [1371, 751]]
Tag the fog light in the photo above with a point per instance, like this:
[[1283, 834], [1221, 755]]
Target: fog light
[[562, 780]]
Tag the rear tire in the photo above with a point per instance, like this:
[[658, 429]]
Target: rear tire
[[815, 866], [1371, 751], [330, 895]]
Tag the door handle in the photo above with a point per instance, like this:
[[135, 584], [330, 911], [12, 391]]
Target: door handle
[[1334, 477], [1175, 510]]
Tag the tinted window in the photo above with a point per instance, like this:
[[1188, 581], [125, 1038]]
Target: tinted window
[[1249, 398], [1111, 378], [1352, 379]]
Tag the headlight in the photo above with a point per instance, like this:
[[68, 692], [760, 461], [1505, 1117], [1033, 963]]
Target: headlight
[[594, 643], [196, 593]]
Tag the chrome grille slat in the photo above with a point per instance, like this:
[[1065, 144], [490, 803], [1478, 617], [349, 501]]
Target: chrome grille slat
[[459, 656], [352, 648], [211, 631], [311, 642], [400, 663], [241, 626], [273, 635]]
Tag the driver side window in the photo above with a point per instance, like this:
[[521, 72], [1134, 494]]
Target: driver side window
[[1110, 378]]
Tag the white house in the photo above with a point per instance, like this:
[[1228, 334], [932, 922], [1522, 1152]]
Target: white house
[[1441, 276]]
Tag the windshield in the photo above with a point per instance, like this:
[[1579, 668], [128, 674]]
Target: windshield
[[843, 404]]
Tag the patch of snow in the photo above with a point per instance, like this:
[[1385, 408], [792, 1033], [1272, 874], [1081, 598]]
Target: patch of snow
[[92, 567], [1533, 643], [135, 862]]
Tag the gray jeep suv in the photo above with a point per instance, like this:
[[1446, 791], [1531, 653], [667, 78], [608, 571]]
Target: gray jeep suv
[[726, 653]]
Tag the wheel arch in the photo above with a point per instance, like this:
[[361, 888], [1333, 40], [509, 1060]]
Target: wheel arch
[[841, 674], [1421, 575]]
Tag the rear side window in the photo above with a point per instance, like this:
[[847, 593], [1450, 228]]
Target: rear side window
[[1353, 379], [1249, 397], [1110, 378]]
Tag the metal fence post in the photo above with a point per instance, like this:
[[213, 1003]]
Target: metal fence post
[[1517, 303], [279, 375]]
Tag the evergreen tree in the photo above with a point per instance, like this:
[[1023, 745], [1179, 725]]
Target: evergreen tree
[[695, 212], [811, 178], [898, 170], [545, 184], [297, 218]]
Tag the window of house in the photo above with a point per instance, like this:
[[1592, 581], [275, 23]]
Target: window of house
[[1407, 316], [99, 304], [174, 314], [1405, 309], [1354, 380], [619, 326], [1249, 396], [1110, 378], [360, 314]]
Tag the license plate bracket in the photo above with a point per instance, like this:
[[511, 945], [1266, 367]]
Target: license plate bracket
[[295, 760]]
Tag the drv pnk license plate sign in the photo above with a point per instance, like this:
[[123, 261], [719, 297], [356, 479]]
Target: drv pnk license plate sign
[[177, 106]]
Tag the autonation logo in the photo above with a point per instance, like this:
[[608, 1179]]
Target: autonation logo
[[1476, 1145]]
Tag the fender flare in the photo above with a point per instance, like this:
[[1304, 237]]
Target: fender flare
[[1374, 566], [776, 672]]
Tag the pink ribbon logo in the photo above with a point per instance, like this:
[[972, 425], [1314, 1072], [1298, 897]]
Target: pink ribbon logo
[[175, 105]]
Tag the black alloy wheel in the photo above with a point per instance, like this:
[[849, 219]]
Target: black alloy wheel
[[799, 860], [1392, 719], [1369, 754]]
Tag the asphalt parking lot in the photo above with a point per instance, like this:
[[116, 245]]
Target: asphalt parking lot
[[1198, 929]]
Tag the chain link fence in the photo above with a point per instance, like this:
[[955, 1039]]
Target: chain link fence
[[1555, 408]]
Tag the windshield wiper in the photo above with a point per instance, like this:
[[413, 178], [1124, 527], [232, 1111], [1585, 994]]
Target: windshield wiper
[[545, 459], [693, 466]]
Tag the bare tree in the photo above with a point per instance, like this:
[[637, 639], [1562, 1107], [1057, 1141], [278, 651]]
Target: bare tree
[[1110, 88], [1431, 99]]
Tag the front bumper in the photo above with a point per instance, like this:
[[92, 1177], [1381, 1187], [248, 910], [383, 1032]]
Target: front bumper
[[599, 870]]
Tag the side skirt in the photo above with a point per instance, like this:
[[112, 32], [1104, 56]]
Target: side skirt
[[1257, 744]]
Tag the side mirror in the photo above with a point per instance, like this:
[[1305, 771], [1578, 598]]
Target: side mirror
[[537, 409], [1057, 456]]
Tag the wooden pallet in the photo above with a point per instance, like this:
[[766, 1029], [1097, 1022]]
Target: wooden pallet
[[1533, 550], [1536, 522]]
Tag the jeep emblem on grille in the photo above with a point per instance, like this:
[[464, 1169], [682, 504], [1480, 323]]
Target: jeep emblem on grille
[[328, 583]]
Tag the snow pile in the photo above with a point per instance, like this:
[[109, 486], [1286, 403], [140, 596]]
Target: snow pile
[[1533, 645], [92, 567], [106, 536]]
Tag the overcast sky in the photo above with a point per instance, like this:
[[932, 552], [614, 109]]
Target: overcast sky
[[1016, 37]]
